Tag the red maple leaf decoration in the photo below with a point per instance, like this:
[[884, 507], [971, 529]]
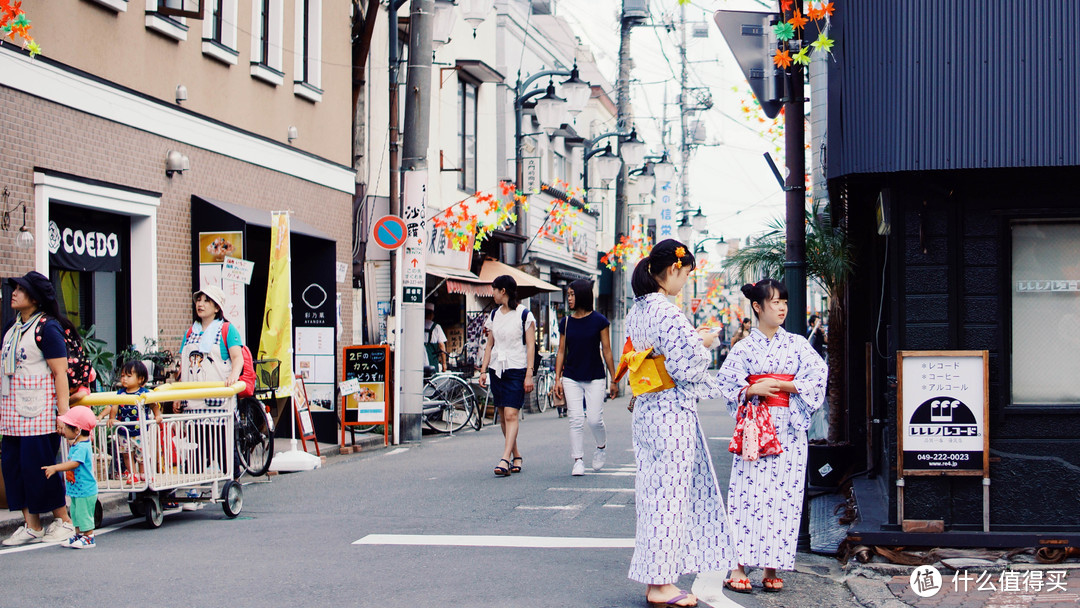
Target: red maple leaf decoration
[[828, 9], [782, 59], [797, 20]]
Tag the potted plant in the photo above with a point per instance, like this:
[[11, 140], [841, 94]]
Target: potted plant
[[829, 261]]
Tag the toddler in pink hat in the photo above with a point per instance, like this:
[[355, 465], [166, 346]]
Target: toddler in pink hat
[[78, 472]]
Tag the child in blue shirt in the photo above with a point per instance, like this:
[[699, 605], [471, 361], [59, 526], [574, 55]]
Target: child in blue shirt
[[79, 474], [133, 376]]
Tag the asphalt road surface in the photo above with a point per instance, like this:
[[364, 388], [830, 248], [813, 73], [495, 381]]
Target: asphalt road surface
[[426, 524]]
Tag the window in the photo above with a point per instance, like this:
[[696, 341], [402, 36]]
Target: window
[[267, 23], [219, 31], [467, 134], [1045, 312], [171, 27], [308, 57], [119, 6]]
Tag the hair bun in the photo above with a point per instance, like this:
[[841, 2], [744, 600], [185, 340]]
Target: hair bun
[[748, 291]]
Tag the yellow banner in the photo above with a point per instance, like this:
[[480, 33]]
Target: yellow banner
[[276, 339]]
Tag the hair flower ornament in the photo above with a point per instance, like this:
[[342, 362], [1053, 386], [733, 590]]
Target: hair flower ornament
[[680, 252]]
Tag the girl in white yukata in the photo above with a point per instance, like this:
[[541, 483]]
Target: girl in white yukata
[[681, 523], [765, 497]]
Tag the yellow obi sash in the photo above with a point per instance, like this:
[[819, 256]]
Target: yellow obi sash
[[647, 374]]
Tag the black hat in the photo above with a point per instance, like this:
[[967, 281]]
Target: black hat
[[36, 285]]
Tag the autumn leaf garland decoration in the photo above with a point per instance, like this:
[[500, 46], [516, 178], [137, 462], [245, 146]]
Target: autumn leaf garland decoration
[[13, 22], [819, 12]]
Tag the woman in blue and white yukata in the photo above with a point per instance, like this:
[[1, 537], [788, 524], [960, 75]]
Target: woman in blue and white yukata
[[765, 497], [682, 527]]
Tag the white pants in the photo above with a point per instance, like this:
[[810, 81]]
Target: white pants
[[585, 399]]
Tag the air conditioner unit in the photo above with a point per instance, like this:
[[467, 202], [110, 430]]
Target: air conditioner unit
[[700, 30]]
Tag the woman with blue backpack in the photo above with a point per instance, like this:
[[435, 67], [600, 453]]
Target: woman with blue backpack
[[509, 356]]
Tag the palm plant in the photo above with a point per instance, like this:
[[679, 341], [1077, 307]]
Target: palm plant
[[829, 261]]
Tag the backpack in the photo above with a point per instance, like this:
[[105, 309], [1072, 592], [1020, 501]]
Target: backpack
[[536, 343], [247, 371], [80, 372]]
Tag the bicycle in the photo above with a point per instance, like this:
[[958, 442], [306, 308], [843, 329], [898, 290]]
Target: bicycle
[[449, 403], [545, 381], [254, 437]]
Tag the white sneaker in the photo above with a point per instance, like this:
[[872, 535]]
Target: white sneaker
[[579, 468], [82, 541], [58, 531], [191, 506], [24, 536], [599, 457]]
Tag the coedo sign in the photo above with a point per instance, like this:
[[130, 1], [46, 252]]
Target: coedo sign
[[92, 246]]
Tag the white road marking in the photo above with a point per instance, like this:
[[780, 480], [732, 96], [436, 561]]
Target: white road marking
[[97, 533], [550, 508], [543, 542], [613, 506], [615, 473], [590, 489], [397, 451], [709, 587], [720, 438]]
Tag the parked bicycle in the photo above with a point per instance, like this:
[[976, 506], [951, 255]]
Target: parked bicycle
[[449, 403], [545, 381]]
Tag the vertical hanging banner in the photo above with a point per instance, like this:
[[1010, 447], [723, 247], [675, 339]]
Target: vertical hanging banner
[[276, 339], [665, 211], [414, 268]]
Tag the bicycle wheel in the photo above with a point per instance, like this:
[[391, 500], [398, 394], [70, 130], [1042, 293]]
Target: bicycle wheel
[[543, 394], [254, 441], [448, 403]]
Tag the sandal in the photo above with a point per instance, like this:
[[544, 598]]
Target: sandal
[[731, 582], [501, 471], [515, 467], [682, 595], [772, 584]]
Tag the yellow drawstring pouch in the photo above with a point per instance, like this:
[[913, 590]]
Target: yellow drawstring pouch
[[647, 374]]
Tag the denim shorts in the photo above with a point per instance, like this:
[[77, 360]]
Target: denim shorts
[[508, 390]]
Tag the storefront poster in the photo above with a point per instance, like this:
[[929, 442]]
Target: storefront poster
[[664, 207], [943, 411], [214, 247]]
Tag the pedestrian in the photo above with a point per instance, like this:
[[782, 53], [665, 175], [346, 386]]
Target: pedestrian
[[35, 392], [78, 474], [508, 355], [584, 351], [133, 376], [213, 350], [434, 339], [681, 523], [210, 353], [779, 370], [816, 336], [741, 332]]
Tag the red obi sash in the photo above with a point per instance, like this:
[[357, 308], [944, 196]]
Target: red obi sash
[[781, 398]]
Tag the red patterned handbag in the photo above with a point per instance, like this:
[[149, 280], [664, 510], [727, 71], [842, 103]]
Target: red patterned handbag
[[754, 435]]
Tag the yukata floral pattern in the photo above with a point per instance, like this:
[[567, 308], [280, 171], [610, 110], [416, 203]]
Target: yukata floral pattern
[[681, 523], [766, 495]]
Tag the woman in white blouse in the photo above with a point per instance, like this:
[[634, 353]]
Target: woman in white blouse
[[508, 356]]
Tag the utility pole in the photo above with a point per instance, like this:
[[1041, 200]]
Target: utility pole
[[414, 167], [684, 176], [622, 209], [795, 197]]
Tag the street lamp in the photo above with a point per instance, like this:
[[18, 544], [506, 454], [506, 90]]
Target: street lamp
[[607, 165], [698, 221], [442, 24], [685, 229], [644, 178], [664, 170], [475, 11], [551, 110], [576, 91], [632, 150]]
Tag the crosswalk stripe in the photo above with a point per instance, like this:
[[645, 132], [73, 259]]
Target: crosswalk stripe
[[590, 490], [542, 542]]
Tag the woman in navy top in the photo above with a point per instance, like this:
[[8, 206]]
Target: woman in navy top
[[584, 351]]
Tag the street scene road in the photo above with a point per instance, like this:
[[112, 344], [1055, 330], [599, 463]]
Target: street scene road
[[417, 525]]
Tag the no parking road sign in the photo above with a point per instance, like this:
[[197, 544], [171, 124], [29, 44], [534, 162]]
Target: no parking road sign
[[389, 232]]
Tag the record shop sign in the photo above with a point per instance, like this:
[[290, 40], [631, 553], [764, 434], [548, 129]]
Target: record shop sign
[[85, 246], [943, 406]]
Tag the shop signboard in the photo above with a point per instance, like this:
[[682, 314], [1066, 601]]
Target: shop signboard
[[664, 208], [943, 407], [368, 370], [530, 172], [314, 299], [576, 245], [413, 263], [83, 246], [214, 249]]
